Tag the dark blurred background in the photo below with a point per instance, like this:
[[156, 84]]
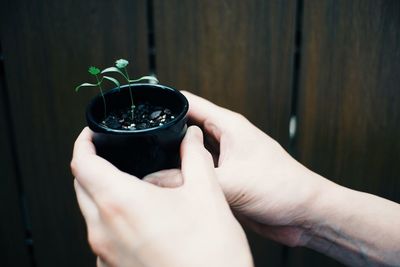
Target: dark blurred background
[[331, 66]]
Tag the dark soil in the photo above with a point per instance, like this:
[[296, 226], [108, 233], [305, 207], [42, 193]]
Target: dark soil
[[144, 116]]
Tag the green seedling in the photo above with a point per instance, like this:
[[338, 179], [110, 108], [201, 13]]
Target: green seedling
[[99, 80], [120, 67]]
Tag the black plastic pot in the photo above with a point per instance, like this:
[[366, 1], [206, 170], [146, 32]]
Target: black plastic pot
[[140, 152]]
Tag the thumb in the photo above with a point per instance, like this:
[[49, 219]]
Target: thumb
[[197, 163]]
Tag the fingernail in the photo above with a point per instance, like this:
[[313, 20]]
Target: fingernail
[[152, 176]]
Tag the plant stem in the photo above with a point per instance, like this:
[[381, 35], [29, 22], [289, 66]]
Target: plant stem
[[130, 92], [102, 95]]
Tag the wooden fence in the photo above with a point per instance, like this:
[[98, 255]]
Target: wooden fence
[[333, 65]]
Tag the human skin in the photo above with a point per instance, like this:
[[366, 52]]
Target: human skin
[[134, 223], [281, 199]]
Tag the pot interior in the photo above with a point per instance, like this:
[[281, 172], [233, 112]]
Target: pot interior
[[157, 95]]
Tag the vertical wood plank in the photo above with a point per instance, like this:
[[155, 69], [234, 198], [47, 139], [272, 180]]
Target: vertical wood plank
[[236, 53], [13, 251], [239, 55], [349, 98], [48, 46]]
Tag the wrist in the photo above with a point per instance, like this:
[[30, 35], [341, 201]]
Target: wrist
[[298, 214], [355, 228], [329, 199]]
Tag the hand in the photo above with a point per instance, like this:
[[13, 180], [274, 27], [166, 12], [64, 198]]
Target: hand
[[267, 189], [281, 199], [134, 223]]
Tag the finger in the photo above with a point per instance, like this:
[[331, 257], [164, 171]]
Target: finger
[[197, 163], [84, 143], [95, 174], [165, 178], [207, 115], [90, 211], [88, 208]]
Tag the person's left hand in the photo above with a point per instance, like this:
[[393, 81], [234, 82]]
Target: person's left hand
[[134, 223]]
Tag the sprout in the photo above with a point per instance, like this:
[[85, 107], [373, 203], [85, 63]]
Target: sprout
[[121, 63], [95, 72], [120, 67]]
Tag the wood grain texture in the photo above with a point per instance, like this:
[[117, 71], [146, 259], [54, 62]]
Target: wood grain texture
[[13, 251], [238, 54], [48, 46], [349, 98]]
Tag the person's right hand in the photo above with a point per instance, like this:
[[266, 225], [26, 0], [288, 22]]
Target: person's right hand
[[267, 189]]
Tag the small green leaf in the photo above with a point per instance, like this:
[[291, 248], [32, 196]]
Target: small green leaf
[[93, 70], [114, 69], [151, 79], [115, 81], [121, 63], [86, 85]]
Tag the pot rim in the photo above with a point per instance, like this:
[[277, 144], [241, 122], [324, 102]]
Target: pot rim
[[100, 128]]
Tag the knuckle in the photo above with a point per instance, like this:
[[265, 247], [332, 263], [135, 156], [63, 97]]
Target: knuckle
[[238, 116], [77, 164], [210, 124], [74, 165], [96, 242]]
